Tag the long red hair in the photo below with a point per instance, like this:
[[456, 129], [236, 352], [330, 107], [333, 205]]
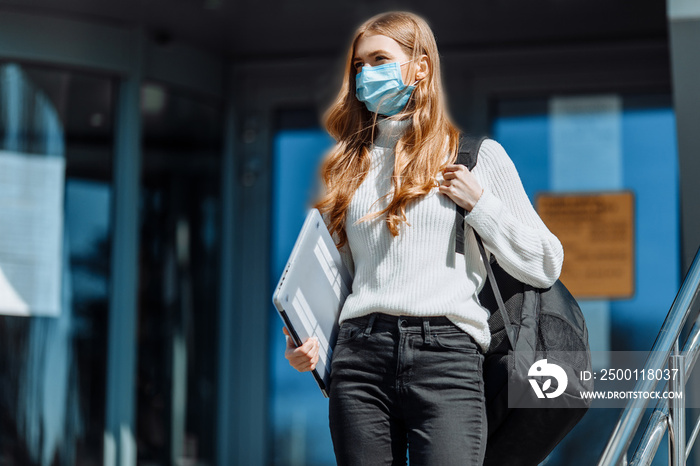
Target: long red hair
[[419, 153]]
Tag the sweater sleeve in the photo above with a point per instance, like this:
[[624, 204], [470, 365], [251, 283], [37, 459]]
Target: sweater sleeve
[[509, 225]]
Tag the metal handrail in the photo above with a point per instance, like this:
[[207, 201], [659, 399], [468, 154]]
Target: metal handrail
[[631, 416], [658, 422]]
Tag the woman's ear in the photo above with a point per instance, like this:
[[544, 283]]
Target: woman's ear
[[422, 67]]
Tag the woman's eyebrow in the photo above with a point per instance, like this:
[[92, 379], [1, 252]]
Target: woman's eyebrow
[[373, 54], [379, 52]]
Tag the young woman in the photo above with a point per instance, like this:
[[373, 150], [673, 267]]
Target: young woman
[[406, 370]]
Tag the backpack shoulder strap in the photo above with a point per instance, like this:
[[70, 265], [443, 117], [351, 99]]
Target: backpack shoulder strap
[[467, 155], [511, 333], [468, 151]]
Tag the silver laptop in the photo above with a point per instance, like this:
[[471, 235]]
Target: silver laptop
[[311, 292]]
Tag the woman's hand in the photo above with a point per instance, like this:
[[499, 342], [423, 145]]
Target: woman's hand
[[303, 358], [461, 186]]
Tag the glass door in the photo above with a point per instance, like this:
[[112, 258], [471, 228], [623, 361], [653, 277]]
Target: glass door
[[56, 139], [178, 278]]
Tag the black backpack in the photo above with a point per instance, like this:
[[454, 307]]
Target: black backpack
[[538, 324]]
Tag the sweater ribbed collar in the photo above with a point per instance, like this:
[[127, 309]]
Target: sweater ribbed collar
[[389, 131]]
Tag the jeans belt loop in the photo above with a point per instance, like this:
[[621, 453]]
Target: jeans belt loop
[[426, 332], [368, 329]]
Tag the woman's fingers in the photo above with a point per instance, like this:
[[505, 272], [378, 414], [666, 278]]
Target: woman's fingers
[[307, 359], [304, 357], [454, 168], [453, 172], [300, 358], [461, 186]]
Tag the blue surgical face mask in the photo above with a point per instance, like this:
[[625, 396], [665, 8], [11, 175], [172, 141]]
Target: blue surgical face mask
[[381, 88]]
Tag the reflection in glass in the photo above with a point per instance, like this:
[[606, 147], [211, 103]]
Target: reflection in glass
[[52, 368]]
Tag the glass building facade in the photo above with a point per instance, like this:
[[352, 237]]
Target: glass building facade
[[53, 369]]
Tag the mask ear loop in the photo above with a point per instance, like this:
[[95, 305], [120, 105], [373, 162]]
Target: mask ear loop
[[409, 61], [400, 65]]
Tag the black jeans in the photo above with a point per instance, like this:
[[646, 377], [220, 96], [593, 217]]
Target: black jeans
[[399, 382]]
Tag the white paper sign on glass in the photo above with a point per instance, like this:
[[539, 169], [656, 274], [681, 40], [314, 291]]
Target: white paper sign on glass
[[31, 233]]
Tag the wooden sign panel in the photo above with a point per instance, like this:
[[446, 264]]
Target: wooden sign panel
[[597, 232]]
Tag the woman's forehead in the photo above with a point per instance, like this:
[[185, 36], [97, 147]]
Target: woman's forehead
[[370, 44]]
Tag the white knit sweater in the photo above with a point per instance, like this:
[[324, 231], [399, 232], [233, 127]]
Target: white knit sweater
[[418, 273]]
